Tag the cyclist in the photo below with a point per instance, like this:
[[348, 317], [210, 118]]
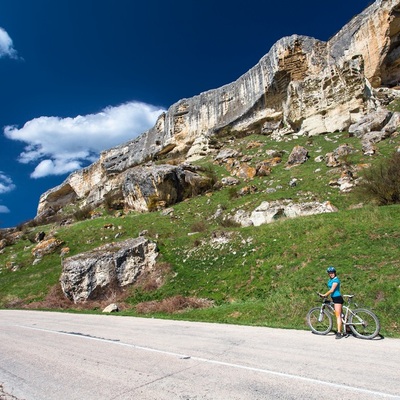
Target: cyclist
[[334, 292]]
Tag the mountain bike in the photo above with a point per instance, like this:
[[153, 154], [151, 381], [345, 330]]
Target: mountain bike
[[363, 323]]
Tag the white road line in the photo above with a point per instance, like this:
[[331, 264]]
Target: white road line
[[216, 362]]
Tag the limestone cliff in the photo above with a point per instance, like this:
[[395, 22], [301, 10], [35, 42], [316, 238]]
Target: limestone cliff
[[302, 85]]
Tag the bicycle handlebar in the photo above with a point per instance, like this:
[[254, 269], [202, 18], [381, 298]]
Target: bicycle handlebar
[[350, 296]]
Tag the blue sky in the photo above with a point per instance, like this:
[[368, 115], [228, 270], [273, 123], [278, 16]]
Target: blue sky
[[81, 76]]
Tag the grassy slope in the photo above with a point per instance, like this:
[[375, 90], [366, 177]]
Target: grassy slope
[[265, 275]]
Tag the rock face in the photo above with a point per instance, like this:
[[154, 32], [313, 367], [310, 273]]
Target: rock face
[[374, 34], [97, 273], [141, 188], [302, 85], [145, 187], [268, 212]]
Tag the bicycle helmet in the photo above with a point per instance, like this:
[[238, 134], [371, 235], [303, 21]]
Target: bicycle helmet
[[331, 269]]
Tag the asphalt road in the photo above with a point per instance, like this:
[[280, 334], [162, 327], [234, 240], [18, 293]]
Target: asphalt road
[[56, 356]]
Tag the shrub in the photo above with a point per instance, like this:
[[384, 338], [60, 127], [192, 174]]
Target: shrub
[[381, 183], [83, 213], [199, 226], [211, 174], [173, 305], [155, 278], [233, 193], [153, 202]]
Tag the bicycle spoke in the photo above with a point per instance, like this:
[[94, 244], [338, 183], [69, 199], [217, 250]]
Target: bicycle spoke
[[364, 324]]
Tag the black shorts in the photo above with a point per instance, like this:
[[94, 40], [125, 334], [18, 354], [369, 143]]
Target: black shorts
[[338, 300]]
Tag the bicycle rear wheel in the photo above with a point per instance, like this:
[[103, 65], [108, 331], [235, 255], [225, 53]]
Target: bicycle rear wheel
[[319, 323], [364, 323]]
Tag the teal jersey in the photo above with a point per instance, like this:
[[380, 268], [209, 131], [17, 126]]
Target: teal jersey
[[337, 289]]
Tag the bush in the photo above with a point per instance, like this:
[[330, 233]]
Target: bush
[[211, 174], [199, 226], [381, 183], [173, 305], [153, 203], [83, 213], [233, 193]]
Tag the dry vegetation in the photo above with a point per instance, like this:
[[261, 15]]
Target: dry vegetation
[[173, 305]]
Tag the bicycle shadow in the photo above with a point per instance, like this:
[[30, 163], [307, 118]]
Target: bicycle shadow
[[351, 334]]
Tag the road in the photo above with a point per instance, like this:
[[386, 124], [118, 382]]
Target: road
[[56, 356]]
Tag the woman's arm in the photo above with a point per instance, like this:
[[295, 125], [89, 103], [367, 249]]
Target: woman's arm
[[330, 291]]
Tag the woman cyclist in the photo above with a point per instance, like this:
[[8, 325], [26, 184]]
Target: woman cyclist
[[334, 292]]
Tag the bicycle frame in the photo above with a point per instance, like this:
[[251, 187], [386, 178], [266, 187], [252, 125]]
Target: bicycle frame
[[346, 310]]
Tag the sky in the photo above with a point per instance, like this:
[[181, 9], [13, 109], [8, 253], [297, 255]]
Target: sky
[[81, 76]]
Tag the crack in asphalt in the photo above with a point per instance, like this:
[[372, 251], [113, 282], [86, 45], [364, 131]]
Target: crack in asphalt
[[88, 336]]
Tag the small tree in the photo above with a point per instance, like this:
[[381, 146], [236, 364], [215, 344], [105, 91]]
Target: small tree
[[381, 183]]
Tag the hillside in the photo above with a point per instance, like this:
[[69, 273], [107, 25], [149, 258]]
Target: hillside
[[265, 275]]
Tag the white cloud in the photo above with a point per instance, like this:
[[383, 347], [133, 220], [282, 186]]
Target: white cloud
[[62, 145], [6, 45], [6, 183], [57, 167], [4, 210]]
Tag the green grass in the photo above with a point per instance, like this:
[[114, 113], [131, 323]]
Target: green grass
[[266, 275]]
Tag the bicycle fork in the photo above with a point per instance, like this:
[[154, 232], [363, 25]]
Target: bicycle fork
[[321, 314]]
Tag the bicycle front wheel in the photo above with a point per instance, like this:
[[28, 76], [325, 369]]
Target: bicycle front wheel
[[319, 322], [364, 323]]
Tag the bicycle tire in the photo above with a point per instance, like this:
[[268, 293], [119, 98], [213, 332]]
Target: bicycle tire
[[364, 323], [322, 327]]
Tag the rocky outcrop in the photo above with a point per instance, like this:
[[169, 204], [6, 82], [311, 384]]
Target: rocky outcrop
[[268, 212], [302, 85], [141, 188], [108, 268], [373, 34], [145, 187]]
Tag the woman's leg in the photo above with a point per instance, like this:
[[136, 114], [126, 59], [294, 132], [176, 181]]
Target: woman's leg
[[338, 312]]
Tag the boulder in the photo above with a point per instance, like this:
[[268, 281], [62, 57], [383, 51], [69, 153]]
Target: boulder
[[46, 247], [245, 171], [333, 159], [344, 150], [106, 269], [368, 148], [263, 169], [226, 154], [299, 155], [268, 212], [393, 124], [111, 308], [375, 136], [229, 181], [374, 121]]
